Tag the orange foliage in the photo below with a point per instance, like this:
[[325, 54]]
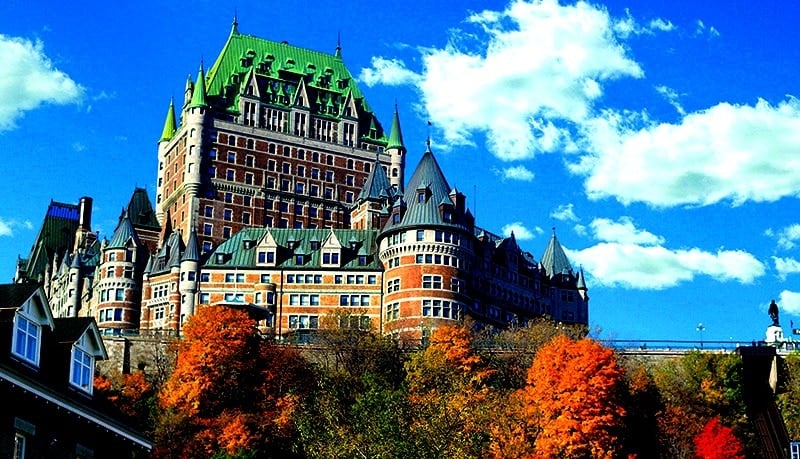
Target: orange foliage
[[717, 441], [231, 390], [572, 400]]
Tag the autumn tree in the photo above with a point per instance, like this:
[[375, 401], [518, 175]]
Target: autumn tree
[[232, 391], [450, 401], [695, 388], [572, 400], [789, 396], [131, 396], [717, 441]]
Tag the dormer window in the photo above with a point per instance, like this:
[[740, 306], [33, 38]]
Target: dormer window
[[330, 258], [421, 196], [26, 339], [81, 372]]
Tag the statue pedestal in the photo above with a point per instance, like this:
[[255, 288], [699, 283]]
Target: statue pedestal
[[774, 334]]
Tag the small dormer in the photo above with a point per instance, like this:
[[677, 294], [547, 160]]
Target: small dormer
[[331, 251], [267, 251], [87, 347], [31, 317], [423, 193]]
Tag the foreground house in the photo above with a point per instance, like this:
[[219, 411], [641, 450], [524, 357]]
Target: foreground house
[[46, 374]]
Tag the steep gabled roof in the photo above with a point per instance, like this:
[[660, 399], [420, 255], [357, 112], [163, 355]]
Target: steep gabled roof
[[57, 235], [281, 70], [140, 211], [554, 259]]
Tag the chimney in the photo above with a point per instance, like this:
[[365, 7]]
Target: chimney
[[85, 214]]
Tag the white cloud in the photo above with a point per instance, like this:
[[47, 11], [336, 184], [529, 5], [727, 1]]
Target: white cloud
[[786, 237], [790, 302], [662, 25], [523, 105], [564, 213], [8, 227], [29, 79], [389, 72], [628, 26], [633, 258], [655, 267], [623, 231], [672, 97], [735, 153], [521, 233], [786, 266], [521, 173]]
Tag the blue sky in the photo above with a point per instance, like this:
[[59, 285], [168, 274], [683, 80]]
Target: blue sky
[[660, 139]]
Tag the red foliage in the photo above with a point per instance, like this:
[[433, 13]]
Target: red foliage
[[717, 441]]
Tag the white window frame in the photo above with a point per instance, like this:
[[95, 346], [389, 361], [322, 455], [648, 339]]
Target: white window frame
[[81, 368], [32, 331]]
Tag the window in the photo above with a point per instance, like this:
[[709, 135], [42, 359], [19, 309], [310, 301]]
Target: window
[[248, 178], [227, 215], [226, 232], [303, 322], [231, 157], [441, 308], [392, 311], [229, 174], [246, 218], [393, 285], [434, 282], [246, 201], [26, 339], [82, 369], [249, 160], [119, 294], [457, 285], [330, 258], [209, 211], [204, 298]]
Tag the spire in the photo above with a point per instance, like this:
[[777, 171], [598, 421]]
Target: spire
[[428, 140], [581, 282], [395, 135], [338, 52], [199, 94], [169, 124], [377, 184], [554, 260], [235, 25]]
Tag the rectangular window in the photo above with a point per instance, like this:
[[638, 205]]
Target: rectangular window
[[248, 178], [19, 446], [204, 298], [207, 228], [209, 211], [229, 277], [26, 339], [229, 174], [120, 294], [82, 369], [420, 235], [227, 215], [246, 218], [226, 232]]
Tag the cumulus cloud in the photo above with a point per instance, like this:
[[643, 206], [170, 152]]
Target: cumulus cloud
[[29, 79], [564, 213], [633, 258], [623, 231], [389, 72], [522, 105], [786, 266], [521, 173], [731, 153], [790, 302], [520, 231]]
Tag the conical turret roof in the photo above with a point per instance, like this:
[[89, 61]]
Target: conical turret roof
[[377, 185], [192, 252], [554, 259], [396, 134], [199, 94], [169, 123]]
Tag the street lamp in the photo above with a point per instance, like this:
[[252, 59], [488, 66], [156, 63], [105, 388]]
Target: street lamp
[[701, 329]]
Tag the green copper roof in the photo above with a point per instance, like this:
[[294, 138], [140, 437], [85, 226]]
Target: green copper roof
[[169, 124], [235, 255], [424, 195], [554, 259], [199, 93], [279, 69], [395, 135]]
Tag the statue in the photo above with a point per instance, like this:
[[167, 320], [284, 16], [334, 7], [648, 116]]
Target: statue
[[773, 313]]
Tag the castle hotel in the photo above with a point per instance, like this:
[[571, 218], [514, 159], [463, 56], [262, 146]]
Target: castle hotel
[[279, 191]]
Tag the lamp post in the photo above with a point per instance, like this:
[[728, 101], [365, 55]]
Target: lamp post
[[701, 328]]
